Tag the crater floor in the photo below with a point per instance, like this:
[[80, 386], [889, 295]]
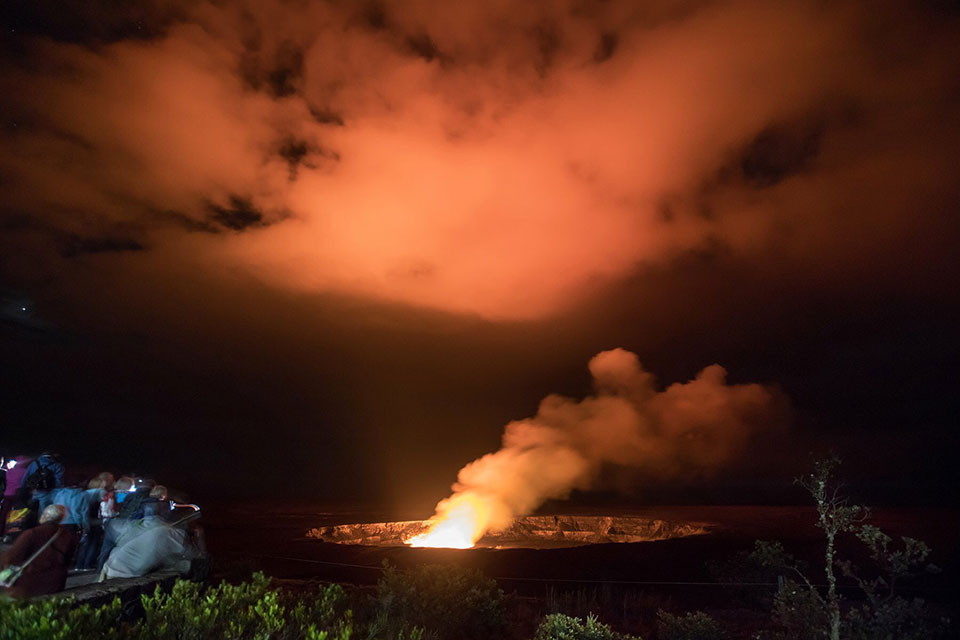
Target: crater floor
[[530, 532]]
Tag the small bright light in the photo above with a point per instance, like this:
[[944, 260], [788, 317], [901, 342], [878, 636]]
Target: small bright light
[[23, 308], [11, 464]]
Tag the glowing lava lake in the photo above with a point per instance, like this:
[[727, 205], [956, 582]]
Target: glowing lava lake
[[528, 532]]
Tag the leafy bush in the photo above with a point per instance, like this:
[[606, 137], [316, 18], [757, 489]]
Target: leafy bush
[[382, 627], [250, 610], [897, 618], [799, 614], [448, 602], [558, 626], [742, 572], [58, 619], [692, 626]]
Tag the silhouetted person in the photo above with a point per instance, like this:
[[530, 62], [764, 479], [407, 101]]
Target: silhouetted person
[[23, 513], [122, 489], [113, 530], [159, 493], [16, 470], [148, 545], [43, 476], [83, 506], [132, 506], [47, 573]]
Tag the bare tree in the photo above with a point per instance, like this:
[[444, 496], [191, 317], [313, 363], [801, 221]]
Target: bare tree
[[835, 515], [804, 610]]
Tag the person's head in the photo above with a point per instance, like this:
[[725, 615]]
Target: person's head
[[151, 509], [125, 483], [159, 492], [106, 479], [53, 514]]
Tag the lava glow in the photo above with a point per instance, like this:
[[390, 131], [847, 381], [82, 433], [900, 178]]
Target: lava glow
[[461, 520]]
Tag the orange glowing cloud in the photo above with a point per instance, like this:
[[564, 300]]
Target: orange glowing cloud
[[485, 159]]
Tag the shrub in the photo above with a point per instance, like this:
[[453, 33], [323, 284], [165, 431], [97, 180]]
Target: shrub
[[250, 610], [897, 618], [558, 626], [58, 619], [742, 572], [692, 626], [799, 614], [382, 627], [238, 612], [448, 602], [324, 617]]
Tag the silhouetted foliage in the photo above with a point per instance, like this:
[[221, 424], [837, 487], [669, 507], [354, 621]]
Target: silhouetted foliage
[[696, 625], [448, 602], [58, 619], [801, 610], [558, 626], [248, 611]]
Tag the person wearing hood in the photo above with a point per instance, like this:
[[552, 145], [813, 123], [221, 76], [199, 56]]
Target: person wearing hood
[[43, 476]]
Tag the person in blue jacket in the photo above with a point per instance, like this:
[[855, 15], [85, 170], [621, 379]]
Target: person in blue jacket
[[43, 476], [81, 509]]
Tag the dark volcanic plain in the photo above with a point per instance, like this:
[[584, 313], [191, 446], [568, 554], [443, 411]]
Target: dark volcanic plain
[[676, 572]]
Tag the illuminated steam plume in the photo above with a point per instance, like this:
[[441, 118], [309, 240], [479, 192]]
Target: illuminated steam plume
[[688, 427]]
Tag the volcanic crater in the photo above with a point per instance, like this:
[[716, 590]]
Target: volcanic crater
[[528, 532]]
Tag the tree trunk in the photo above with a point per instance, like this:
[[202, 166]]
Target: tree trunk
[[833, 603]]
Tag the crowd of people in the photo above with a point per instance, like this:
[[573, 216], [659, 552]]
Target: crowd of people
[[120, 527]]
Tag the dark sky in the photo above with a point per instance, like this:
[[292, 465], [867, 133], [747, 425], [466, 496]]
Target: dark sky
[[333, 248]]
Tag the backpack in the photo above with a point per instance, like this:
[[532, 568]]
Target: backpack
[[43, 478]]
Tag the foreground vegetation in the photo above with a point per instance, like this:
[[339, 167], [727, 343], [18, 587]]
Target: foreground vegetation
[[452, 603], [430, 603], [189, 612]]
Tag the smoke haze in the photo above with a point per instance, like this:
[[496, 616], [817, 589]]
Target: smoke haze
[[484, 159], [691, 428]]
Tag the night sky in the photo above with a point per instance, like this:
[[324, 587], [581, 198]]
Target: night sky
[[331, 249]]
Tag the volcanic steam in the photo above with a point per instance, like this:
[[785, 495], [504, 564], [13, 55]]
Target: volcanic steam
[[690, 427]]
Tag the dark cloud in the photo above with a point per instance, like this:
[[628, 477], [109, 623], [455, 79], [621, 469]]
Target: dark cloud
[[76, 245], [295, 152], [279, 72], [324, 115], [183, 221], [606, 47], [374, 14], [89, 22], [298, 152], [779, 152], [238, 215], [547, 39], [422, 45]]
